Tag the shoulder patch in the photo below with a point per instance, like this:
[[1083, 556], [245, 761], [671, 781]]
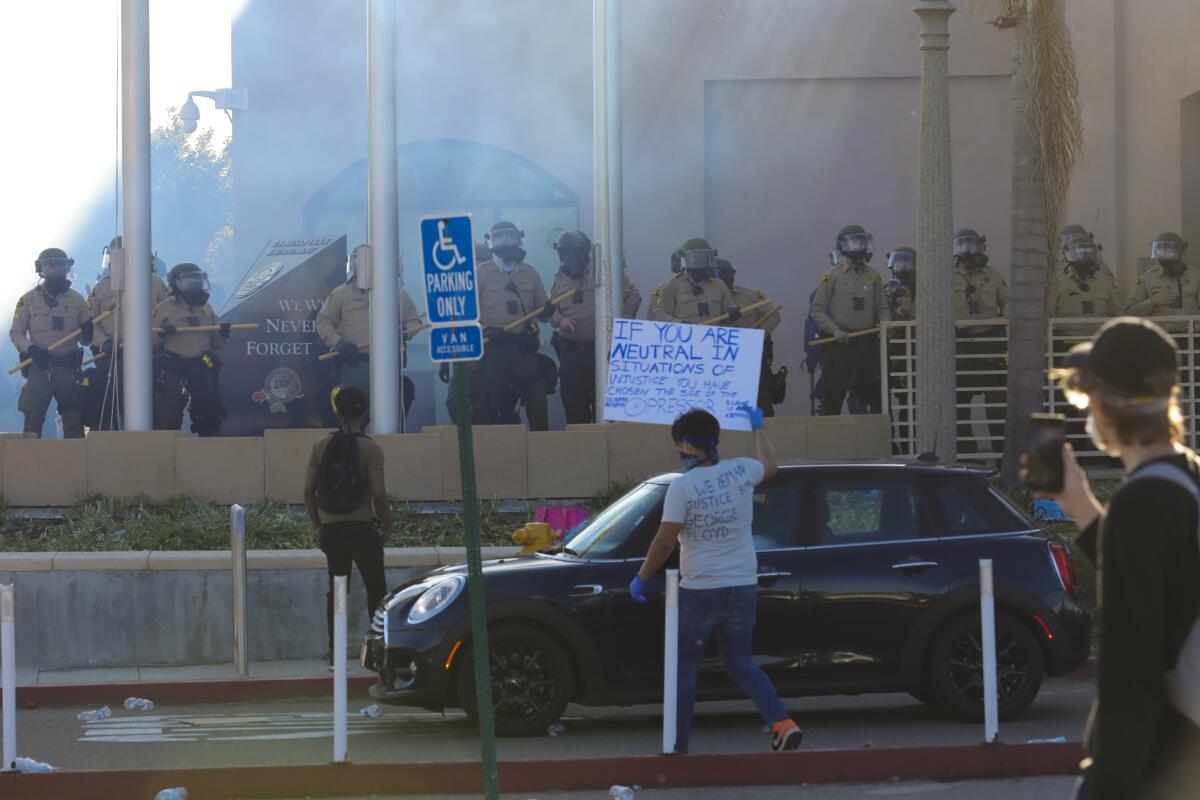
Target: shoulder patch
[[154, 313], [20, 302], [870, 278], [657, 295], [825, 278], [761, 296]]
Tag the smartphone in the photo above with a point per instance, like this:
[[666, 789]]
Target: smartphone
[[1045, 462]]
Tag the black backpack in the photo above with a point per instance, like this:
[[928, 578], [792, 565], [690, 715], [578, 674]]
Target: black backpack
[[341, 483]]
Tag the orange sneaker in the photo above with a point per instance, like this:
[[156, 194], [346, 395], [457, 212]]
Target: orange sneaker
[[785, 735]]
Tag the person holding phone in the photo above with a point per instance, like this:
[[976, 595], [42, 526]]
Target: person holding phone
[[1143, 738]]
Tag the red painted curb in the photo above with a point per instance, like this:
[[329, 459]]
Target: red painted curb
[[200, 691], [748, 769]]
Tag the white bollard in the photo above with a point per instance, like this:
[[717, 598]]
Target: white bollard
[[237, 551], [339, 669], [671, 661], [987, 614], [8, 675]]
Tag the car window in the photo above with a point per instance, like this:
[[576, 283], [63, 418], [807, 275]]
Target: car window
[[624, 522], [855, 512], [967, 507], [776, 515]]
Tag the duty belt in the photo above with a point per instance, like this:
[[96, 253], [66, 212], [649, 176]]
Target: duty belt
[[561, 342]]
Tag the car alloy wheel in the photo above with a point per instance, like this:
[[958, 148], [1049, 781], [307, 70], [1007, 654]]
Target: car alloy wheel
[[531, 681], [956, 667]]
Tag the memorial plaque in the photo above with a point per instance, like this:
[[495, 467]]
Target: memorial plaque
[[271, 377]]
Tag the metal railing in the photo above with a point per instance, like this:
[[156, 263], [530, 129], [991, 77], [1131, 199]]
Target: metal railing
[[981, 377]]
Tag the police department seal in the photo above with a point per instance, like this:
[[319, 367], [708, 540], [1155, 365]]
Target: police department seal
[[281, 387], [259, 279]]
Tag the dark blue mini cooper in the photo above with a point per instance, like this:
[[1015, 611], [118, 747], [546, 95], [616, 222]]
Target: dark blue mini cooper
[[868, 577]]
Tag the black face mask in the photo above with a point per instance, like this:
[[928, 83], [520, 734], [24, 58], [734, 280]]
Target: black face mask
[[56, 285], [1174, 268], [858, 259], [973, 260], [510, 253], [1084, 269], [700, 275], [573, 264], [194, 299], [907, 277]]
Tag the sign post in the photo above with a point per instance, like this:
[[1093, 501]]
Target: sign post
[[452, 306]]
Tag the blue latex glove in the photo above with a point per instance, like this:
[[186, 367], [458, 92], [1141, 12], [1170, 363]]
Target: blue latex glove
[[755, 415], [636, 587]]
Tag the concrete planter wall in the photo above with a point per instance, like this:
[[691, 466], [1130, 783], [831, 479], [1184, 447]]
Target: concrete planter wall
[[510, 462], [145, 608]]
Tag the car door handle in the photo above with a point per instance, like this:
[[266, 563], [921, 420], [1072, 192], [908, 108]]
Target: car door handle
[[915, 565], [774, 574], [587, 590]]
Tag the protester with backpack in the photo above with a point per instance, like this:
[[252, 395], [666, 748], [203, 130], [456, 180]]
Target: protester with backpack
[[1143, 738], [345, 494]]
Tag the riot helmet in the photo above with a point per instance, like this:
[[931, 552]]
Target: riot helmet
[[1069, 231], [696, 256], [190, 283], [970, 248], [505, 240], [855, 244], [903, 264], [55, 268], [726, 272], [1168, 249], [574, 250], [1080, 252]]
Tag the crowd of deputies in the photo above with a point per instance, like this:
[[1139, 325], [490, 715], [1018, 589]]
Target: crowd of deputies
[[515, 373]]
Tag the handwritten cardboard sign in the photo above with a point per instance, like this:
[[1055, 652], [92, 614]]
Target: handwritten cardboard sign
[[658, 370]]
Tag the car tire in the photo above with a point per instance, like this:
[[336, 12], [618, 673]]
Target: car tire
[[532, 681], [955, 672]]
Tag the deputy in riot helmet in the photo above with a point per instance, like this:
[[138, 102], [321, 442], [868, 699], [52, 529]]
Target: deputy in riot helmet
[[901, 291], [45, 314], [772, 386], [188, 366], [1083, 289], [1068, 233], [574, 324], [980, 292], [694, 295], [1169, 286], [850, 299], [510, 373]]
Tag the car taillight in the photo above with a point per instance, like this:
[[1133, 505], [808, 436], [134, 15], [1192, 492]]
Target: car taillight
[[1061, 558]]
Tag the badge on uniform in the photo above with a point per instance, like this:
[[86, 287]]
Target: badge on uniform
[[577, 298], [860, 304], [702, 309], [1088, 307]]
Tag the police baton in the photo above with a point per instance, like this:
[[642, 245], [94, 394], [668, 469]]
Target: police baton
[[365, 346], [769, 314], [519, 321], [70, 337], [751, 307], [240, 326], [831, 339]]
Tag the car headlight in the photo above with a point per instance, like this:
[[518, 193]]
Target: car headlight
[[435, 599]]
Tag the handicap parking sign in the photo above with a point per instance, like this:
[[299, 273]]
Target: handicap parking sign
[[456, 342], [448, 255]]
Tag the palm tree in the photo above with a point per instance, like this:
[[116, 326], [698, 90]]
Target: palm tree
[[1047, 140]]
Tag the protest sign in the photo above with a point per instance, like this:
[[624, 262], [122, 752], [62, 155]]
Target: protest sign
[[658, 370]]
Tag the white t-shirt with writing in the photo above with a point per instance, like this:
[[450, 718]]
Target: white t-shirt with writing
[[716, 506]]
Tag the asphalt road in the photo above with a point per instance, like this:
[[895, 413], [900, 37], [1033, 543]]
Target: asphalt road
[[299, 732]]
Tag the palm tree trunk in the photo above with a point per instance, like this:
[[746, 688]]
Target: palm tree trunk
[[1030, 261]]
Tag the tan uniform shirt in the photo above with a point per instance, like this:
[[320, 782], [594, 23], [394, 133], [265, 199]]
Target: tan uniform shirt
[[580, 307], [370, 456], [498, 306], [980, 293], [346, 314], [1095, 296], [174, 311], [678, 301], [744, 296], [103, 298], [43, 320], [849, 299], [1183, 288]]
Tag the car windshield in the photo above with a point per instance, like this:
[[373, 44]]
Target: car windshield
[[605, 533]]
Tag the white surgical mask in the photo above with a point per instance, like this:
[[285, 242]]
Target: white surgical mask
[[502, 264], [1093, 431]]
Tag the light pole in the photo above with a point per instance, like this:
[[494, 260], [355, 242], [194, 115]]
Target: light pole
[[935, 412]]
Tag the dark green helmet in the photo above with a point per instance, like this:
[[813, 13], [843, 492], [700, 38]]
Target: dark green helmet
[[1168, 247], [1171, 237], [965, 232], [504, 234], [902, 259], [694, 254], [54, 260], [850, 230]]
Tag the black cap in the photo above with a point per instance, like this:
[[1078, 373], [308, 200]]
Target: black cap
[[1124, 352]]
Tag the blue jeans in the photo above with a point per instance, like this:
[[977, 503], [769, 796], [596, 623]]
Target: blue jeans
[[730, 613]]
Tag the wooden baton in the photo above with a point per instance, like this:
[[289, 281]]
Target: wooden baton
[[240, 326], [70, 337], [831, 339], [723, 317], [769, 314], [365, 346]]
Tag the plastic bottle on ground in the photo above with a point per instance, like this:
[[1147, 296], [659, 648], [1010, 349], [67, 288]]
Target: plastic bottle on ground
[[177, 793], [138, 704], [623, 793], [94, 714], [373, 711], [32, 765]]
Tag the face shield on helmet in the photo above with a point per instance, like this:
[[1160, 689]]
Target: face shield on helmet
[[505, 241], [504, 237], [1166, 250], [901, 262], [858, 247], [1080, 249], [192, 286], [968, 245], [700, 260]]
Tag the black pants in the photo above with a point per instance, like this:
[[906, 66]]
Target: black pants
[[346, 543], [192, 384], [577, 379], [858, 357], [509, 372], [992, 387]]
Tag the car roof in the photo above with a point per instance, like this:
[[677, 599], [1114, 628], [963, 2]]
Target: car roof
[[900, 465]]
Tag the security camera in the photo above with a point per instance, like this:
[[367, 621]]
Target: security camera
[[189, 114]]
